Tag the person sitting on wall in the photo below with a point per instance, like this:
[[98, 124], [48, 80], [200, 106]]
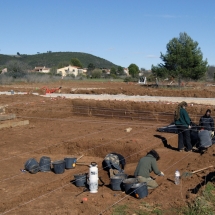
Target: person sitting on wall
[[114, 163], [145, 166]]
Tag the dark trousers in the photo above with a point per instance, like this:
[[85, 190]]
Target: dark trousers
[[184, 138]]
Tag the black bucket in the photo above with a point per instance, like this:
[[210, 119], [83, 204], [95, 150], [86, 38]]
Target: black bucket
[[127, 184], [70, 162], [45, 164], [59, 166], [116, 182], [80, 180], [139, 190], [122, 175], [32, 166]]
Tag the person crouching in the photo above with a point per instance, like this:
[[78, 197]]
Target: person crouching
[[114, 163], [145, 166]]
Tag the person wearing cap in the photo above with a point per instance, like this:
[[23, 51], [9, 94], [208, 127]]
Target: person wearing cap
[[145, 166], [182, 121], [207, 122], [114, 163]]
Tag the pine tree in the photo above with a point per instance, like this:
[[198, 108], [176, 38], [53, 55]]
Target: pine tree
[[183, 59]]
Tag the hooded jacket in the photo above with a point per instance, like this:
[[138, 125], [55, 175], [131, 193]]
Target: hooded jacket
[[184, 118], [207, 122]]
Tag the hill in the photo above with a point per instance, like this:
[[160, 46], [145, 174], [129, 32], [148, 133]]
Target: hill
[[53, 59]]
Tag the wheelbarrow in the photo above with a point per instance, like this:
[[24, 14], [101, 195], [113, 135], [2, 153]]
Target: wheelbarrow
[[189, 174]]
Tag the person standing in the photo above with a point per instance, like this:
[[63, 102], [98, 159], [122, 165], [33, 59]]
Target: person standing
[[182, 121], [145, 166], [207, 122]]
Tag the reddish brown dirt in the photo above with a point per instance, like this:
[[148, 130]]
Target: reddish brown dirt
[[191, 89], [59, 128]]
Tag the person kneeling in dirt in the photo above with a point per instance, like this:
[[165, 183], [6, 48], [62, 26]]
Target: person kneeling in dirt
[[204, 139], [114, 163], [145, 166]]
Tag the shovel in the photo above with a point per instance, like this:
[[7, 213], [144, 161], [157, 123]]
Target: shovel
[[82, 164], [189, 174]]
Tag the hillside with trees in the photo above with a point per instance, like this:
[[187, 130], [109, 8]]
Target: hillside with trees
[[54, 59]]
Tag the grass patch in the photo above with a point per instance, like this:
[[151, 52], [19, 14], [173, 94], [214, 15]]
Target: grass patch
[[203, 205], [120, 210]]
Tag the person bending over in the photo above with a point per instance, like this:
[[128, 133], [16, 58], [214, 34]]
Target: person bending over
[[145, 166], [114, 163]]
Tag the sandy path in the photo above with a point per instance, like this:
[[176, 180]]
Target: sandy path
[[121, 97]]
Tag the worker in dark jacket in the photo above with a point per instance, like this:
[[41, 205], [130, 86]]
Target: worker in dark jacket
[[145, 166], [207, 122], [182, 121], [114, 163]]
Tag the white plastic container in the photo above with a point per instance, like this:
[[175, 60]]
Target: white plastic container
[[177, 177], [93, 178]]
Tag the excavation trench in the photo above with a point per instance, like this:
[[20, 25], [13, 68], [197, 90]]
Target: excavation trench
[[60, 128]]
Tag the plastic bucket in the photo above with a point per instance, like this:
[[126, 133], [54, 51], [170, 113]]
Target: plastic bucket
[[122, 175], [70, 162], [116, 182], [45, 164], [32, 166], [80, 180], [139, 190], [59, 166], [127, 184]]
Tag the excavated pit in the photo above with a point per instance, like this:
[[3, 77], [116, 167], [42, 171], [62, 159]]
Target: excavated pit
[[60, 128]]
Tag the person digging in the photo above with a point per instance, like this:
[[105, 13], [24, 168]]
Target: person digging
[[114, 163], [145, 166]]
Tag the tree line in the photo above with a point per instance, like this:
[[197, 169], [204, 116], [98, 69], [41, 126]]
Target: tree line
[[183, 60]]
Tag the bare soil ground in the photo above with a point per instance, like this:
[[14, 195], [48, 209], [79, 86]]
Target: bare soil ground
[[61, 127]]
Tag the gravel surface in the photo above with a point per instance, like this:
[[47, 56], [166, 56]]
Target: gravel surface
[[121, 97]]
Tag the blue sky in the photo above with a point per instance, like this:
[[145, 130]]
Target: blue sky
[[121, 31]]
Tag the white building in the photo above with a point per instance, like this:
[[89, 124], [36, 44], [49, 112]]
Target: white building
[[4, 70], [126, 71], [41, 69], [70, 70]]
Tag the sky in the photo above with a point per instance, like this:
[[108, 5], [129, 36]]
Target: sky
[[120, 31]]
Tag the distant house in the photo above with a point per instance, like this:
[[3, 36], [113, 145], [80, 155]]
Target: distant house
[[105, 71], [4, 71], [41, 69], [126, 71], [84, 71], [70, 70]]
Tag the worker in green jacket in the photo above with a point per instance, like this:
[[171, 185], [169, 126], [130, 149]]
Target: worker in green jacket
[[182, 121], [145, 166]]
